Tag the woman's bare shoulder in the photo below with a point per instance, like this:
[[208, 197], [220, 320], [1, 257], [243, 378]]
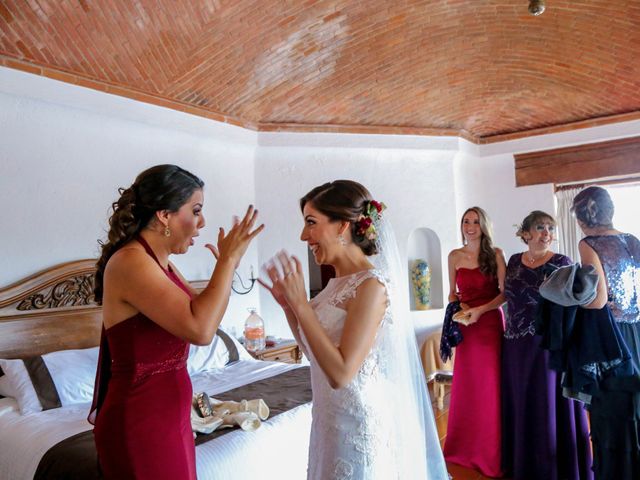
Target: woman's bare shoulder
[[127, 261]]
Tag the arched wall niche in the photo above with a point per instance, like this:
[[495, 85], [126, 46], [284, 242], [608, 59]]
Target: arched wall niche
[[424, 244]]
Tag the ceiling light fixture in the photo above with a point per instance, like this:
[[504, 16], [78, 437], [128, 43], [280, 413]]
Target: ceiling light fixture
[[536, 7]]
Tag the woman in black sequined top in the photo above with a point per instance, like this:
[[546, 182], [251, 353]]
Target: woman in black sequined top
[[615, 410]]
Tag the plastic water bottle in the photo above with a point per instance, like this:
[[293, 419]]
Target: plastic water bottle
[[254, 337]]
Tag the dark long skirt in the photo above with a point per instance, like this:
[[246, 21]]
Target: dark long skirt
[[615, 418], [545, 436]]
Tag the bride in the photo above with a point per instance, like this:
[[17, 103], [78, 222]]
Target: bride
[[372, 416]]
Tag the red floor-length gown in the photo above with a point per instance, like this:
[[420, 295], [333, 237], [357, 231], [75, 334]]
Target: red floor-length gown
[[474, 429], [143, 399]]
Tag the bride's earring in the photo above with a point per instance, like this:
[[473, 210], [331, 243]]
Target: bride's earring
[[341, 240]]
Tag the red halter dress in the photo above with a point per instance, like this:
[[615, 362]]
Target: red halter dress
[[143, 400]]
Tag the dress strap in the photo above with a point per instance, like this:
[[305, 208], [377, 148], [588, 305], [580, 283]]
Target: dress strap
[[366, 275], [168, 271], [350, 287], [149, 250]]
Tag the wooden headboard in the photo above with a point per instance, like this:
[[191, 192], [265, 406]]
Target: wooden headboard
[[50, 310]]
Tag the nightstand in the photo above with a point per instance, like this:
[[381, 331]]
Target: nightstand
[[286, 351]]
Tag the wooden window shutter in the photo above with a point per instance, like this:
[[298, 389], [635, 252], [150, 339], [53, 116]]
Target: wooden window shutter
[[579, 163]]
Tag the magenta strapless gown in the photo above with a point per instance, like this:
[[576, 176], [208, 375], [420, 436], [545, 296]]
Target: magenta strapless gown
[[143, 400], [474, 429]]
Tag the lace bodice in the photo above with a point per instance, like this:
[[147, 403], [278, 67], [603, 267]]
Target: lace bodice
[[336, 296], [352, 432]]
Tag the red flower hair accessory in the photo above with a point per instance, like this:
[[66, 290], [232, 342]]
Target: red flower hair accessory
[[366, 223]]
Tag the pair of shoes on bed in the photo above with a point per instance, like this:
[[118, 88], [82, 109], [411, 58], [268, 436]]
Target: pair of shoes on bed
[[248, 415], [204, 424], [256, 406]]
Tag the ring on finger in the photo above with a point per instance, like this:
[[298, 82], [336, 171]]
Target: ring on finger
[[286, 274]]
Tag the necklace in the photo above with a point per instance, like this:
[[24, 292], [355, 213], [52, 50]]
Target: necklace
[[531, 260]]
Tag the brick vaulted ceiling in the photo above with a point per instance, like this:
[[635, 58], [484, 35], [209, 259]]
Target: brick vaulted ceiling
[[482, 69]]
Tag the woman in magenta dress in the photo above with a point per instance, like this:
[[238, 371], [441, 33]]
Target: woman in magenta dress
[[476, 277], [142, 397]]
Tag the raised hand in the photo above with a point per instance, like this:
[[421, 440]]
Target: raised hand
[[287, 281], [233, 245], [275, 288]]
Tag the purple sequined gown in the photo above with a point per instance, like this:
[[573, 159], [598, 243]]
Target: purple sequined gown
[[545, 436], [615, 411]]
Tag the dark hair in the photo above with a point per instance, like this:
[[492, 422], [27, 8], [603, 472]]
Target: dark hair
[[163, 187], [487, 255], [593, 207], [343, 200], [531, 220]]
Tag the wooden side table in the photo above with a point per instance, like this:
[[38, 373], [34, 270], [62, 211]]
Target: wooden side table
[[286, 351]]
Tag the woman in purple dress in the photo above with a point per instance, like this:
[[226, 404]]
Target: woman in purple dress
[[544, 434]]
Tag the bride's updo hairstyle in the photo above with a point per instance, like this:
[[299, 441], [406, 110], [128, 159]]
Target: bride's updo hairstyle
[[593, 207], [163, 187], [343, 200]]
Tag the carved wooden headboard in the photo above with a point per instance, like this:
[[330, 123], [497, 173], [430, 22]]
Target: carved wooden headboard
[[50, 310]]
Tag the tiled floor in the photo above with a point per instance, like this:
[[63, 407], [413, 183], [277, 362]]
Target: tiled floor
[[456, 471]]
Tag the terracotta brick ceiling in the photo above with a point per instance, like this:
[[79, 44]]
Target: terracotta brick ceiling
[[482, 69]]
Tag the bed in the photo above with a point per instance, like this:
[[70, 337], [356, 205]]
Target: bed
[[50, 319]]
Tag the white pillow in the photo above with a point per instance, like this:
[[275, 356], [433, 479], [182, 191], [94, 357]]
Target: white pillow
[[72, 372], [5, 387], [8, 405], [20, 385], [243, 354], [216, 355]]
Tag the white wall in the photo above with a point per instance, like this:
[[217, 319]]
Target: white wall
[[61, 166], [485, 176], [64, 151], [415, 181], [489, 182]]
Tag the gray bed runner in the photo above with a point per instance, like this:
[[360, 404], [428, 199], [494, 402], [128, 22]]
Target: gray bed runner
[[76, 457]]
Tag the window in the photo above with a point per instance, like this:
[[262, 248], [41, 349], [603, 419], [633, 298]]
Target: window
[[626, 198]]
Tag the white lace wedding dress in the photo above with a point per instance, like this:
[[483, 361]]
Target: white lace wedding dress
[[356, 430]]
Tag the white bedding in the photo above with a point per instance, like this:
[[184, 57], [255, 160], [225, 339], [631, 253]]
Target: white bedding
[[278, 449]]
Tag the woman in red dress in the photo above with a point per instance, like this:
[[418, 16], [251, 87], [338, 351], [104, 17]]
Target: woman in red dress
[[476, 279], [143, 393]]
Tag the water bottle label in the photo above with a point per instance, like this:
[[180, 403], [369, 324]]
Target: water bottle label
[[253, 333]]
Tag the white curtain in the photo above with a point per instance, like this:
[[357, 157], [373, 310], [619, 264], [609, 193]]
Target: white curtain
[[569, 233]]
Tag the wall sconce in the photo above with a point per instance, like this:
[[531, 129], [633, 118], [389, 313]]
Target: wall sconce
[[536, 7], [243, 289]]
